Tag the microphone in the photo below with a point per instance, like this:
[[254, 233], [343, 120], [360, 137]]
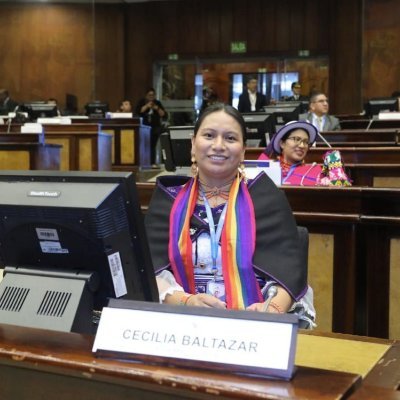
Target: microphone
[[272, 292], [324, 140], [9, 121]]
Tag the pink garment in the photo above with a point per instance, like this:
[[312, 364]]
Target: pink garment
[[301, 174]]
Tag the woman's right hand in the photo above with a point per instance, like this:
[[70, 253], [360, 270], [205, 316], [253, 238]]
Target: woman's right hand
[[205, 300]]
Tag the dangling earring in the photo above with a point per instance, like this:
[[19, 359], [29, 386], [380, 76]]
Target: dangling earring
[[194, 169], [242, 171]]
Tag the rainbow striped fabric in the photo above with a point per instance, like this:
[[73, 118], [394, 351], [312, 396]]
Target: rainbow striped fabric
[[237, 244]]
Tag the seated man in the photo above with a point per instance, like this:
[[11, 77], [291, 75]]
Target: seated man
[[318, 114], [6, 103], [296, 96]]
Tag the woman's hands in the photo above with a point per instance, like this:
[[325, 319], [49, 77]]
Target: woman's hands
[[205, 300]]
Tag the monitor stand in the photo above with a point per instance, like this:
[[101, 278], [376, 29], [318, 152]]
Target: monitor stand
[[48, 299]]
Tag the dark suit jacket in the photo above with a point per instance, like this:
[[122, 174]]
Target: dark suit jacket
[[301, 98], [331, 122], [245, 105], [9, 106]]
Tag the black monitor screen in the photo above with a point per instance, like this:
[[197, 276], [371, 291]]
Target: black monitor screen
[[284, 113], [96, 109], [258, 125], [375, 106], [39, 110], [176, 147], [78, 221]]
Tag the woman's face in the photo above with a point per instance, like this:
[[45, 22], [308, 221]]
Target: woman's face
[[295, 146], [218, 148]]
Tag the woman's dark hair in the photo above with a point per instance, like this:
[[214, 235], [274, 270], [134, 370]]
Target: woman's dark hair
[[233, 112], [269, 150]]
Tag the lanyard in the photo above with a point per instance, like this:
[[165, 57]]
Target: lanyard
[[215, 234]]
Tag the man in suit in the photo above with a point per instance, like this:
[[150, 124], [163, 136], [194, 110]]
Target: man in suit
[[6, 103], [297, 96], [251, 100], [318, 114]]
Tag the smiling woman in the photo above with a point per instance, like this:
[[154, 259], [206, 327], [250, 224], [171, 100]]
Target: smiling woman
[[218, 240], [290, 146]]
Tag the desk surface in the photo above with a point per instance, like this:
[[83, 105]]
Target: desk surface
[[39, 363]]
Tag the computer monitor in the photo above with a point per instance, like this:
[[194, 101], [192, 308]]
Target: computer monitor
[[176, 148], [59, 226], [259, 128], [376, 105], [37, 110], [96, 109], [283, 113]]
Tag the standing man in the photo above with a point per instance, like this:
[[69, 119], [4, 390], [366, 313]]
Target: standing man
[[6, 103], [152, 112], [251, 100], [296, 96], [318, 114]]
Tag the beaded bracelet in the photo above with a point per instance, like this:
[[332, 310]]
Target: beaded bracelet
[[276, 307], [184, 299]]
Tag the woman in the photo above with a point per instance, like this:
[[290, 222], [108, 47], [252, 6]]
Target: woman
[[290, 146], [215, 239]]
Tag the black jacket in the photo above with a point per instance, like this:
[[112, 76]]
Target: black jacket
[[277, 245]]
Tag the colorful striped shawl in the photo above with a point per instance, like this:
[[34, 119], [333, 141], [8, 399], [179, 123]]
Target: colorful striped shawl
[[237, 244]]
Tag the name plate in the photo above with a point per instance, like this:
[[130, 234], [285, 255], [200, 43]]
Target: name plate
[[225, 340]]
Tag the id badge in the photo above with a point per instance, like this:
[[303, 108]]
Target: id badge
[[216, 289]]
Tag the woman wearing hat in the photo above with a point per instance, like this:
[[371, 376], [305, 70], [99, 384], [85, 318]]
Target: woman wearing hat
[[290, 146]]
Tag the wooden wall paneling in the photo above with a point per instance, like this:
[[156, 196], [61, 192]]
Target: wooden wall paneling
[[240, 21], [267, 10], [139, 59], [381, 54], [345, 56], [226, 23], [41, 55], [109, 54], [256, 27], [297, 27], [282, 25], [166, 28], [311, 29]]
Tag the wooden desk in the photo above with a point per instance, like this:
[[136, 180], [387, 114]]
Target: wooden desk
[[84, 146], [366, 166], [131, 140], [28, 152], [354, 249], [360, 137], [39, 364], [368, 124]]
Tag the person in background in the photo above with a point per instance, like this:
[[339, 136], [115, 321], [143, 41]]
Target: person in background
[[6, 103], [251, 100], [318, 114], [296, 96], [218, 240], [397, 94], [125, 107], [152, 112], [54, 102], [290, 146], [209, 97]]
